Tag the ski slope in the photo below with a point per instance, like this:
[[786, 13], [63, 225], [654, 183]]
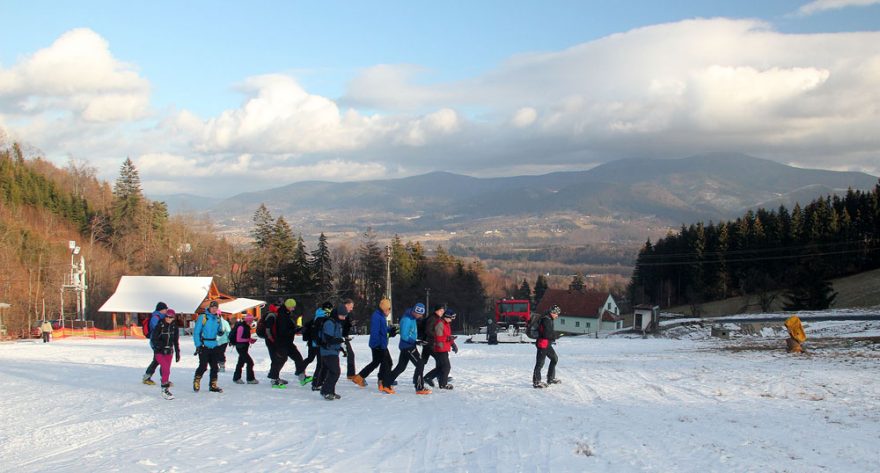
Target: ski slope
[[656, 405]]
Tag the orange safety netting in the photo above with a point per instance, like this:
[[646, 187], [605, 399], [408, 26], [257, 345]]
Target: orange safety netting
[[122, 332]]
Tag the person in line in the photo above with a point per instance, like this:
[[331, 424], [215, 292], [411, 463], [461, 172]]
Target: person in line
[[546, 338], [164, 340], [379, 346], [286, 311], [426, 336], [409, 348], [155, 317], [242, 339], [282, 330], [205, 333], [317, 327], [46, 331], [274, 363], [444, 341], [223, 341], [330, 346], [347, 325]]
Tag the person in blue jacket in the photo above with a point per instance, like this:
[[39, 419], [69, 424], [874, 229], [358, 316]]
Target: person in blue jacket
[[205, 334], [409, 351], [318, 323], [331, 344], [158, 314], [379, 346]]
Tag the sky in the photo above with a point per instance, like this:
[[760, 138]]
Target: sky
[[207, 96]]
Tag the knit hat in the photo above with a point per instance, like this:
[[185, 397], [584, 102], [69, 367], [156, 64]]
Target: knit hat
[[438, 307], [327, 306], [450, 313], [161, 306], [419, 309], [385, 304], [170, 313], [249, 318], [290, 303], [214, 304]]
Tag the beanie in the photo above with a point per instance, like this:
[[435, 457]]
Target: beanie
[[419, 309], [170, 313], [385, 304], [213, 304], [161, 306], [290, 303], [327, 306]]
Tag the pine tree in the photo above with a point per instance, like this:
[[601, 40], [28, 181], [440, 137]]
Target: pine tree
[[372, 269], [524, 292], [322, 269], [540, 288], [577, 283], [127, 197]]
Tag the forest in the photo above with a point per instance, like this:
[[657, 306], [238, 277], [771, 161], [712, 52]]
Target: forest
[[766, 253]]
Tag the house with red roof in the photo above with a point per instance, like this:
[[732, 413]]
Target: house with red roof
[[583, 311]]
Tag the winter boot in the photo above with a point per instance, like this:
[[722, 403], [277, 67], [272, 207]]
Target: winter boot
[[316, 388], [197, 383], [278, 384], [337, 396], [553, 381], [423, 391], [388, 390], [359, 380], [214, 388], [166, 393], [238, 381], [147, 380], [253, 381], [329, 397], [447, 386], [306, 380], [539, 385]]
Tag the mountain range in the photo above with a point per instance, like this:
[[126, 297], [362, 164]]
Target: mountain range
[[703, 187]]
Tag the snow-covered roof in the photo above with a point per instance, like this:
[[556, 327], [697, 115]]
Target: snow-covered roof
[[140, 294], [240, 305]]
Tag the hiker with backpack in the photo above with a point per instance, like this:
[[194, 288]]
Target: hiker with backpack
[[331, 341], [347, 325], [444, 341], [409, 350], [288, 321], [542, 330], [164, 340], [427, 341], [379, 335], [149, 324], [317, 327], [279, 333], [242, 339], [205, 333]]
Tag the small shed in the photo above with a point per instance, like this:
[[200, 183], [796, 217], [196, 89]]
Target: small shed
[[646, 318]]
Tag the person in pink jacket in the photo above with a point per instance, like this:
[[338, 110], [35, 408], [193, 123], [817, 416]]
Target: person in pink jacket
[[242, 339]]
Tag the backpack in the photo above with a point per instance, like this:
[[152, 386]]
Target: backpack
[[261, 325], [533, 329], [146, 326], [306, 328], [315, 329]]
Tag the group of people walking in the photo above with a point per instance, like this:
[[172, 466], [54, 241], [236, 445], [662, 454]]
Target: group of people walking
[[327, 335]]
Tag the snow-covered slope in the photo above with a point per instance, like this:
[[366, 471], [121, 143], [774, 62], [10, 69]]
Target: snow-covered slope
[[625, 405]]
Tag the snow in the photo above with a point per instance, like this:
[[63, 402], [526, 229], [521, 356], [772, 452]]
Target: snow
[[654, 404]]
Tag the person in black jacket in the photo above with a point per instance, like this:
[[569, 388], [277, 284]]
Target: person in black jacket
[[280, 334], [347, 308], [241, 339], [164, 339], [546, 338], [425, 336]]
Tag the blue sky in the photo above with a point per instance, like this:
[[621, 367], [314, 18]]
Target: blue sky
[[402, 86]]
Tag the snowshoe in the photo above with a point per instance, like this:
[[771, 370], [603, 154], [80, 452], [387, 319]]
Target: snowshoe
[[253, 381], [148, 381], [278, 385], [238, 381], [539, 385]]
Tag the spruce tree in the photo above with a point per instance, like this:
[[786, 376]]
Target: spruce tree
[[322, 269], [540, 288]]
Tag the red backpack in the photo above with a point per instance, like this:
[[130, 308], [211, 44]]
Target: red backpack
[[146, 326]]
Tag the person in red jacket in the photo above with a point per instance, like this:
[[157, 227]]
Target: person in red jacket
[[544, 343], [440, 331]]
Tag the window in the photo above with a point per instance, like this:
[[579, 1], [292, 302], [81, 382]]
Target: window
[[588, 325], [561, 321], [577, 324]]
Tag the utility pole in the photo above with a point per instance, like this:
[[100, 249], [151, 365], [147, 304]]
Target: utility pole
[[427, 299], [75, 282]]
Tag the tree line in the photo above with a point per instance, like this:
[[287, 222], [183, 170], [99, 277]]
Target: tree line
[[766, 253]]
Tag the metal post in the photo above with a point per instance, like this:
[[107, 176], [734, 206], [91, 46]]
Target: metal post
[[427, 298], [388, 279]]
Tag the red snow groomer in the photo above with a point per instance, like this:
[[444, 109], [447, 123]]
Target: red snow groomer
[[509, 326]]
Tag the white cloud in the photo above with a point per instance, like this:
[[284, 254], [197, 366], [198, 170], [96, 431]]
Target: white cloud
[[524, 117], [78, 74], [817, 6]]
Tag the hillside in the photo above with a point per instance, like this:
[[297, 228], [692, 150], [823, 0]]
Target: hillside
[[859, 290]]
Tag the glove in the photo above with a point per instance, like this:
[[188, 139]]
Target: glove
[[452, 337], [344, 353], [198, 350], [177, 356], [454, 347], [392, 331]]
